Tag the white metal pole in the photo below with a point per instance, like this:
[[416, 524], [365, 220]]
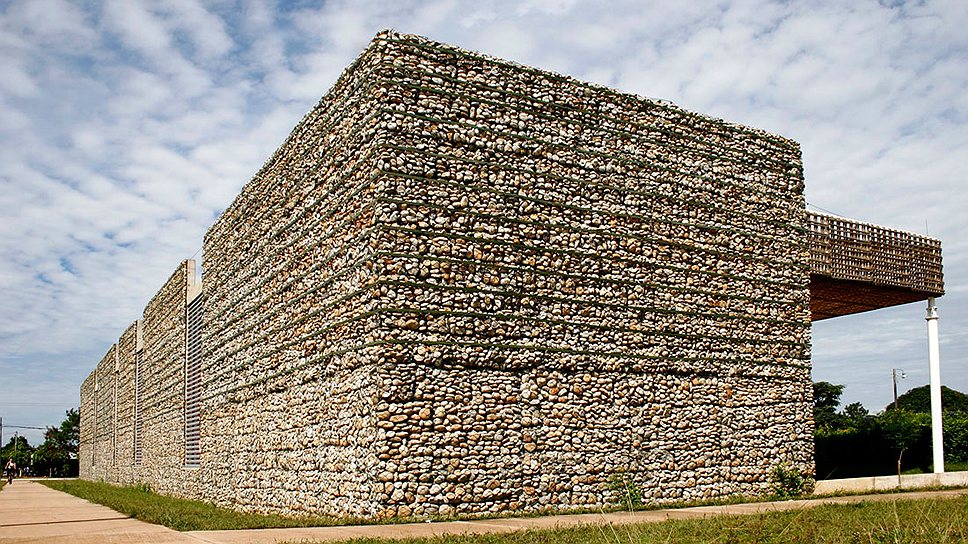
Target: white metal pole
[[934, 363]]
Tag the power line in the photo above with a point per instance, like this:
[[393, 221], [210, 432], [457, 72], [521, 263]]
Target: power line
[[2, 403], [17, 427]]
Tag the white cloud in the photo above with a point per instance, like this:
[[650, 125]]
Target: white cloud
[[50, 23], [206, 30], [137, 27]]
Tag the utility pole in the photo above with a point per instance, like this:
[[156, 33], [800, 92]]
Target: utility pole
[[894, 379]]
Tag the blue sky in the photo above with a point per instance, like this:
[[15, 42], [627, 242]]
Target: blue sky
[[127, 126]]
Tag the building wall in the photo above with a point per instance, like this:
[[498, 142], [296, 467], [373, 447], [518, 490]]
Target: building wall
[[465, 285], [108, 399], [288, 317], [103, 459], [163, 361], [580, 284], [124, 459], [287, 402], [87, 429]]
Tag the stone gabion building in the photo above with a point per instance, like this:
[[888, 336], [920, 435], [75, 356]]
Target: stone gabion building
[[464, 285]]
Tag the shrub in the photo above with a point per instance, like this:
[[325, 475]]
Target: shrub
[[624, 490], [788, 481], [142, 487], [904, 430], [956, 437]]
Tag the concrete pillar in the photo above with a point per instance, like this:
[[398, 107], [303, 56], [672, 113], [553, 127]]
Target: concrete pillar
[[934, 363]]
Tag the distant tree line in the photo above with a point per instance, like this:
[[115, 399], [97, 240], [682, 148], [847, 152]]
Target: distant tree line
[[55, 456], [853, 442]]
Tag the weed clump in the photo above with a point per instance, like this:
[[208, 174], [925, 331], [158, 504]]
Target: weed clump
[[787, 481], [624, 490]]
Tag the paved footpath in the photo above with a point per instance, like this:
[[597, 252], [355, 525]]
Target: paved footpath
[[30, 512]]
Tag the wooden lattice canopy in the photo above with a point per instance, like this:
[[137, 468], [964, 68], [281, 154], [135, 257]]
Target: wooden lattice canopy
[[857, 267]]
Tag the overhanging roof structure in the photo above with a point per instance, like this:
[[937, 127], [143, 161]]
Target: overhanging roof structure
[[857, 267]]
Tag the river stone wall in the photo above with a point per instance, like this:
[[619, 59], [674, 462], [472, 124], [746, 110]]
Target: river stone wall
[[108, 407], [464, 285], [124, 377], [104, 458], [87, 430], [578, 283], [163, 362], [289, 316]]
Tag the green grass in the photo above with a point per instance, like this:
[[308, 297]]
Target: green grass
[[900, 521], [188, 515], [178, 514], [948, 467]]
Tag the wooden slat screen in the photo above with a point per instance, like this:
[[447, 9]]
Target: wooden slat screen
[[193, 380], [139, 390], [850, 250]]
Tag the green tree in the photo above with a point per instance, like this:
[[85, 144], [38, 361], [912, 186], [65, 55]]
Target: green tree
[[918, 400], [903, 429], [58, 454], [826, 399], [857, 417], [66, 437], [17, 449], [855, 411]]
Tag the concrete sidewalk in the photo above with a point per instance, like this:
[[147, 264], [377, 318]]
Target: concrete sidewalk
[[30, 512]]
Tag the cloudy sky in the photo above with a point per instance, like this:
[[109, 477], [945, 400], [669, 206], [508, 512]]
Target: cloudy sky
[[127, 126]]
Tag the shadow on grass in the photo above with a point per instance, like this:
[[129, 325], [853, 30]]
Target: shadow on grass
[[180, 514]]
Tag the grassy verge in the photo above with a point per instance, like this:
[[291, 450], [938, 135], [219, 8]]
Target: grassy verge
[[178, 514], [188, 515], [948, 467], [901, 521]]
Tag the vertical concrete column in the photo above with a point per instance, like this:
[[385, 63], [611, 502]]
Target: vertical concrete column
[[934, 363]]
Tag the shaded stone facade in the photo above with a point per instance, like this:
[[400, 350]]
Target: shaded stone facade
[[463, 285]]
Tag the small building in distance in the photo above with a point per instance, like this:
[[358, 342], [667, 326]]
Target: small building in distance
[[463, 285]]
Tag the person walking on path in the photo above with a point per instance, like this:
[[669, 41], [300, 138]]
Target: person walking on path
[[10, 470]]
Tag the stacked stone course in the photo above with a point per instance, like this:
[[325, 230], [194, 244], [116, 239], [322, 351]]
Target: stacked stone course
[[87, 433], [578, 285], [124, 378], [104, 414], [464, 285]]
